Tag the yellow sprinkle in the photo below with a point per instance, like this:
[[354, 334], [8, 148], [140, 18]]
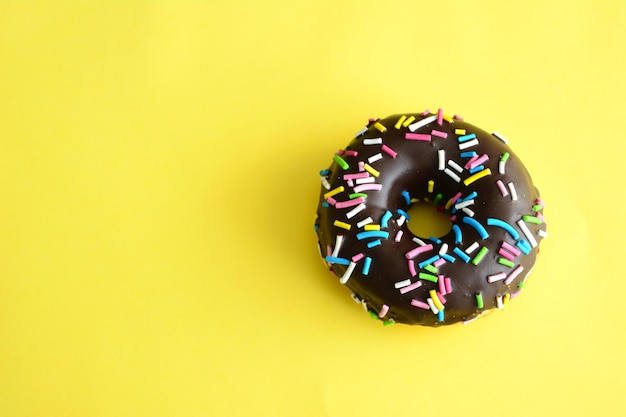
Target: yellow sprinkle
[[436, 300], [333, 192], [408, 121], [477, 176], [399, 122], [431, 186], [342, 225], [506, 298], [415, 200], [372, 227], [380, 127], [449, 204], [371, 170], [459, 131], [448, 119]]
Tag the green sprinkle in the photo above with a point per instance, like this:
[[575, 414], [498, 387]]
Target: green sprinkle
[[437, 199], [357, 195], [504, 157], [506, 262], [531, 219], [480, 255], [537, 207], [428, 277], [431, 269], [389, 322], [521, 285], [479, 300], [372, 314], [342, 163]]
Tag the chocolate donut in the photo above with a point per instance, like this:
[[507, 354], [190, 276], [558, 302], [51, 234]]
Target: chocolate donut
[[470, 175]]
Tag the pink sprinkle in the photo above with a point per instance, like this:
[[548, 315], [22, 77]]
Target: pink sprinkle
[[540, 201], [453, 218], [351, 153], [440, 117], [502, 188], [425, 112], [511, 249], [367, 187], [506, 254], [472, 159], [411, 287], [331, 201], [349, 203], [448, 285], [383, 310], [479, 161], [513, 274], [456, 197], [420, 304], [441, 298], [439, 133], [412, 268], [516, 293], [388, 150], [540, 217], [356, 258], [457, 117], [439, 262], [361, 164], [329, 252], [442, 285], [356, 176], [420, 249], [398, 235], [417, 136], [372, 120], [496, 277], [350, 183], [340, 152]]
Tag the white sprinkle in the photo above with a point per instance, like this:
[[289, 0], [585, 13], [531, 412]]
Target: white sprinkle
[[372, 141], [462, 204], [442, 159], [501, 169], [499, 302], [421, 123], [542, 233], [325, 183], [527, 233], [431, 304], [472, 248], [513, 191], [366, 180], [338, 242], [419, 241], [355, 298], [355, 211], [468, 211], [401, 284], [360, 132], [401, 221], [502, 138], [375, 158], [364, 305], [452, 175], [456, 166], [468, 144], [346, 275], [399, 235], [444, 249], [364, 222]]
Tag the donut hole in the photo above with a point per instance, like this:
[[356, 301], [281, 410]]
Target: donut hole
[[426, 221]]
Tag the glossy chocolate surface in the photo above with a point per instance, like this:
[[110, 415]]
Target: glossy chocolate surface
[[418, 161]]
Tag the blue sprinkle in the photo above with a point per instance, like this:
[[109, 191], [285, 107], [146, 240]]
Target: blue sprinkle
[[325, 204], [366, 265], [372, 233], [477, 226], [465, 138], [324, 172], [471, 195], [468, 154], [461, 255], [448, 258], [428, 261], [524, 246], [407, 197], [440, 316], [458, 235], [504, 225], [316, 227], [338, 261], [374, 243], [384, 222], [404, 213], [435, 239], [476, 169]]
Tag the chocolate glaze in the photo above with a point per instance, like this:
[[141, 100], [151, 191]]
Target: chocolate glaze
[[415, 164]]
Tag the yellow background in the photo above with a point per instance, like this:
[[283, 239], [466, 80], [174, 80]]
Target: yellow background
[[158, 179]]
